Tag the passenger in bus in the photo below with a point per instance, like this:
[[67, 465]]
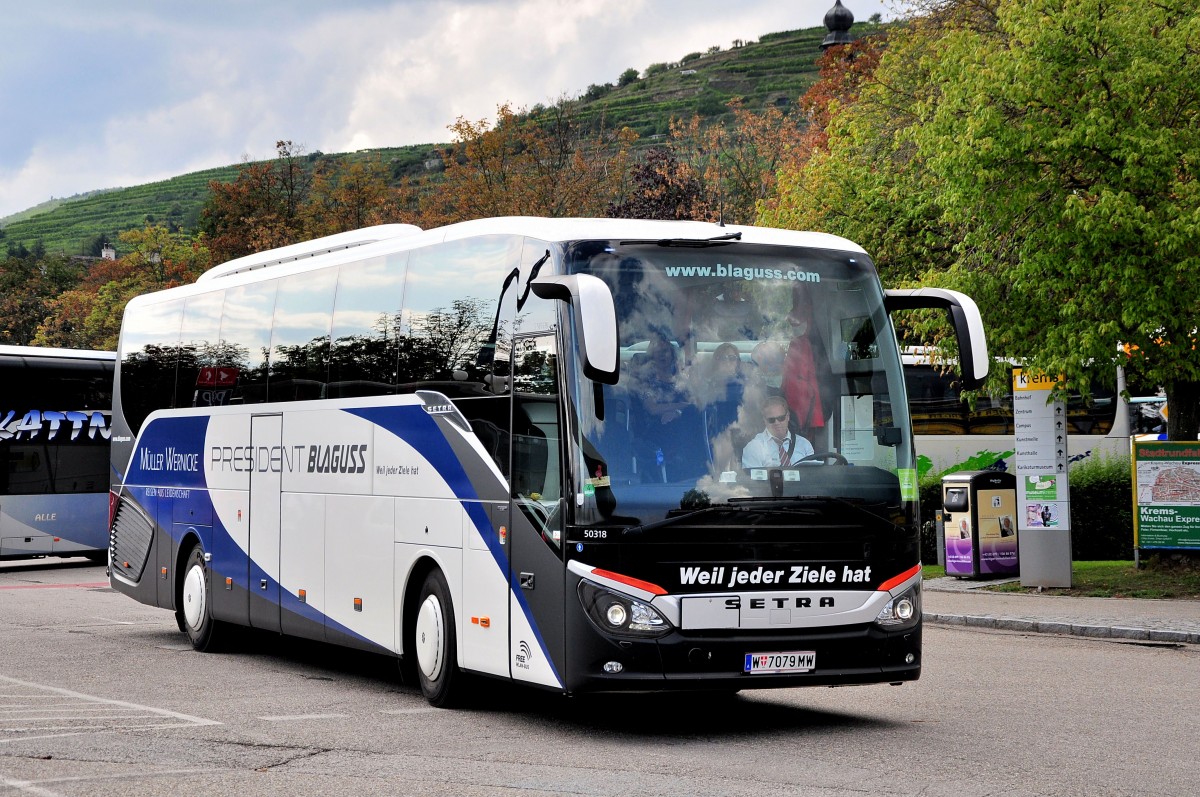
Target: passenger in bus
[[723, 387], [662, 385], [765, 374], [776, 445], [672, 443], [806, 373], [767, 359]]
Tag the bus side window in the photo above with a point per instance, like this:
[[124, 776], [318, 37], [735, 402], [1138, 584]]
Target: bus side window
[[245, 340], [149, 353], [537, 470], [299, 358], [446, 340], [201, 380], [366, 335]]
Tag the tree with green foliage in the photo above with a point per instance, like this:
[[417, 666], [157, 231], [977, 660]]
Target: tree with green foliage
[[1041, 155]]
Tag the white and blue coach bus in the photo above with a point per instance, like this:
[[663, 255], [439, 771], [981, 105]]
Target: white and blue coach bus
[[521, 448], [54, 434]]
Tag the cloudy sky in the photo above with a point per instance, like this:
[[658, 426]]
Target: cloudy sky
[[99, 94]]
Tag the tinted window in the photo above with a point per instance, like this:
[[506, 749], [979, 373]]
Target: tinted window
[[149, 351], [246, 339], [202, 383], [300, 336], [366, 327], [450, 321], [54, 425]]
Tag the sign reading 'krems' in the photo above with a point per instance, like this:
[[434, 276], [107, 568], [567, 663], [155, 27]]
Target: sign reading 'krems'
[[1024, 379], [336, 458]]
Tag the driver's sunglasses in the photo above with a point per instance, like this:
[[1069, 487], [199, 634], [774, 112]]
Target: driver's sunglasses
[[777, 418]]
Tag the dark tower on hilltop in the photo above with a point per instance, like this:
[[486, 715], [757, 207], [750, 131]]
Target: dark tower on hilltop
[[837, 21]]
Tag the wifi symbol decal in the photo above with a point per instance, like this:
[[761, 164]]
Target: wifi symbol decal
[[524, 654]]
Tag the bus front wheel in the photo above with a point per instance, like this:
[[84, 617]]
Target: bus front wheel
[[194, 614], [434, 643]]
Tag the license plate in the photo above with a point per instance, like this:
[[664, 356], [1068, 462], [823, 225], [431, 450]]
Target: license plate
[[789, 661]]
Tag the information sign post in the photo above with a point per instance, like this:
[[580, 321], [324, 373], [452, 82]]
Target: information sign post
[[1043, 492]]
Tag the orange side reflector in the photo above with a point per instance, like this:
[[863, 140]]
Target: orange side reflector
[[126, 564], [303, 595], [358, 604], [228, 583], [485, 622]]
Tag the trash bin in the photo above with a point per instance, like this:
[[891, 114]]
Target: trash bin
[[979, 507]]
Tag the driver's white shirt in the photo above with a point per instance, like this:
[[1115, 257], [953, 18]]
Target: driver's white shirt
[[763, 451]]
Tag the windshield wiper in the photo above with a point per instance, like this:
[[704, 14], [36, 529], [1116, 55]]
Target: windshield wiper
[[695, 243], [776, 507]]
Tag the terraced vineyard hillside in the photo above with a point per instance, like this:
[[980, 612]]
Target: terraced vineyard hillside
[[775, 71]]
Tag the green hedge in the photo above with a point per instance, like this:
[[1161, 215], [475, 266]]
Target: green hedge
[[1101, 512]]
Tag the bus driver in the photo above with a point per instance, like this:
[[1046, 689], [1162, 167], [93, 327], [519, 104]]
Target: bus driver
[[776, 445]]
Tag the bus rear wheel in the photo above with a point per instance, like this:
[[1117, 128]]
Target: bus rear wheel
[[434, 643], [194, 613]]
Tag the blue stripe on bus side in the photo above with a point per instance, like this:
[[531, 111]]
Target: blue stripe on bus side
[[410, 423], [426, 435], [421, 431]]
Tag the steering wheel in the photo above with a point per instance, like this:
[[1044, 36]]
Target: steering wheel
[[826, 457]]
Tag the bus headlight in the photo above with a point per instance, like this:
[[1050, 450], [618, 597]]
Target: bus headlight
[[902, 611], [619, 614]]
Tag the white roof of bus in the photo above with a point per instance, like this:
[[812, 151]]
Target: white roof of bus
[[388, 238], [49, 352]]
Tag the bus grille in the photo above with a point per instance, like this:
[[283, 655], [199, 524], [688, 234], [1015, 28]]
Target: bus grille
[[129, 540]]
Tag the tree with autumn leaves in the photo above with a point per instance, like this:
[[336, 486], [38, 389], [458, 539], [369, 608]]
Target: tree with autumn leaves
[[87, 315], [523, 165], [295, 198]]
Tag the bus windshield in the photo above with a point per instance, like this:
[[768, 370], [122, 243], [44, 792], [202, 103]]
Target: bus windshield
[[749, 374]]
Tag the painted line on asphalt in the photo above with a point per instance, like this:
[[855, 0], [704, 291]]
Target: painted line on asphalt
[[87, 712], [27, 787], [35, 787], [88, 585], [294, 717]]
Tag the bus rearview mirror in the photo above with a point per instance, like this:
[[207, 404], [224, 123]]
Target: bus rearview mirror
[[595, 321]]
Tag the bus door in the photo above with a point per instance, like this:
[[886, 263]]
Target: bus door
[[266, 437], [536, 642]]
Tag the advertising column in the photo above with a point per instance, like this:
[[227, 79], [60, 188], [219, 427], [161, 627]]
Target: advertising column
[[1043, 495]]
